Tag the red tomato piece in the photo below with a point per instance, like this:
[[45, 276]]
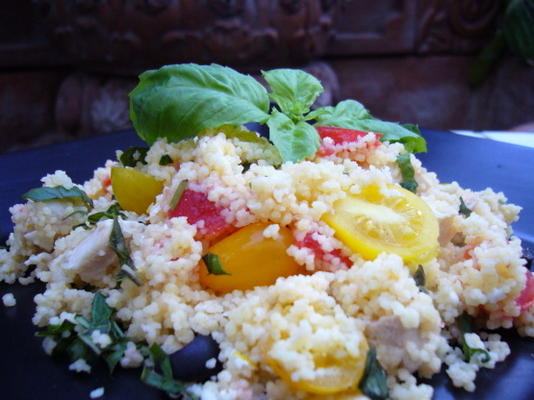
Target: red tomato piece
[[526, 297], [340, 136], [312, 244], [196, 207]]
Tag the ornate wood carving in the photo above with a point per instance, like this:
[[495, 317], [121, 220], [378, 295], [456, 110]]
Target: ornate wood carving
[[120, 36]]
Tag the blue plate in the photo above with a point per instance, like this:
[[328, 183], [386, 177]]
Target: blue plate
[[27, 373]]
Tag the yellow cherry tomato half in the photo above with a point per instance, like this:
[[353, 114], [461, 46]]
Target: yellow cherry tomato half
[[250, 259], [393, 220], [333, 375], [133, 189]]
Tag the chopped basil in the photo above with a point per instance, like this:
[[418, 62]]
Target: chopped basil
[[178, 194], [465, 324], [246, 166], [164, 381], [374, 379], [118, 244], [406, 168], [165, 160], [58, 192], [420, 279], [75, 338], [133, 155], [213, 263], [464, 210], [115, 210]]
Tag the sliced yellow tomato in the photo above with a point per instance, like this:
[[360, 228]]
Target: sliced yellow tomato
[[396, 221], [333, 375], [250, 259], [133, 189]]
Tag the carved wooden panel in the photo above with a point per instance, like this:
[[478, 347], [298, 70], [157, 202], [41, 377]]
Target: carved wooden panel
[[119, 35], [373, 27]]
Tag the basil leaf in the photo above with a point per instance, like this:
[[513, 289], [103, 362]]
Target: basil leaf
[[166, 384], [294, 141], [113, 357], [56, 330], [165, 160], [293, 90], [420, 279], [342, 115], [118, 244], [100, 311], [406, 168], [213, 263], [115, 210], [177, 101], [133, 155], [518, 27], [392, 132], [465, 324], [58, 192], [463, 209], [374, 379], [178, 194]]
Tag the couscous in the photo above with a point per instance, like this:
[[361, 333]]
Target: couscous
[[323, 263]]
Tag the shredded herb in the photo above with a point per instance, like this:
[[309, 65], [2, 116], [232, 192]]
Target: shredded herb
[[213, 263], [115, 210], [118, 244], [75, 338], [246, 166], [374, 379], [464, 210], [465, 324], [406, 168], [420, 279], [178, 194], [133, 155], [164, 381], [165, 160], [58, 192]]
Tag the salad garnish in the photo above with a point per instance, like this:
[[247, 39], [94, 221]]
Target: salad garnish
[[179, 101], [119, 246], [58, 192], [374, 379]]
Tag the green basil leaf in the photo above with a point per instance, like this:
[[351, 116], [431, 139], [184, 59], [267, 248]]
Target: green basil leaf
[[118, 244], [77, 349], [166, 384], [405, 165], [177, 101], [56, 330], [420, 279], [115, 210], [342, 115], [114, 355], [213, 263], [133, 155], [393, 132], [465, 325], [374, 379], [518, 27], [178, 194], [294, 90], [463, 209], [165, 160], [100, 311], [58, 192], [294, 141]]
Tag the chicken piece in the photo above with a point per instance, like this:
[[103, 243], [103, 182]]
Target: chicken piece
[[93, 257]]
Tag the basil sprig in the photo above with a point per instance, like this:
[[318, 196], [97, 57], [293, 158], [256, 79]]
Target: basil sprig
[[178, 101], [374, 378], [164, 381], [58, 192], [119, 246], [75, 338], [465, 324], [133, 155]]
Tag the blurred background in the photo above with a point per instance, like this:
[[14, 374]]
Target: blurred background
[[66, 66]]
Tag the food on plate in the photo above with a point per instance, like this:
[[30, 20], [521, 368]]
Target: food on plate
[[322, 262]]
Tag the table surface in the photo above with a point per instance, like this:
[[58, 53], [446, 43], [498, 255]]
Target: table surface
[[27, 373]]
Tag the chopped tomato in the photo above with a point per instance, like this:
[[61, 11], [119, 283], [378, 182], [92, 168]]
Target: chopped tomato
[[340, 136], [526, 297], [320, 255], [196, 207]]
